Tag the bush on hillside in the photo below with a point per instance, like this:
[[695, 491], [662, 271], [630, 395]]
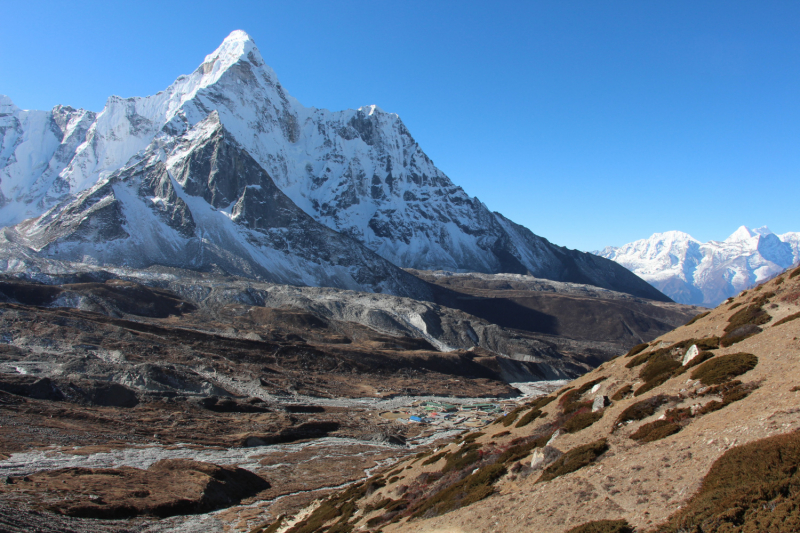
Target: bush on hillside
[[603, 526], [656, 430], [541, 402], [643, 409], [753, 314], [673, 350], [739, 334], [657, 366], [652, 384], [463, 457], [702, 357], [571, 403], [471, 437], [698, 317], [786, 319], [574, 459], [621, 393], [725, 367], [469, 490], [520, 449], [509, 418], [751, 488], [529, 417], [636, 349], [732, 391], [433, 459], [581, 421]]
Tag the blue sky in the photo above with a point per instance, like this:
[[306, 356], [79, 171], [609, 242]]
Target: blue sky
[[592, 123]]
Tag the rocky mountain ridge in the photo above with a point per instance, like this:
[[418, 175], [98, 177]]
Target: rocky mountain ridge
[[359, 172], [199, 201], [697, 273]]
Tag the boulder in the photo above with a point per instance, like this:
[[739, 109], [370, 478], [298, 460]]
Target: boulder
[[600, 402], [691, 353], [543, 457]]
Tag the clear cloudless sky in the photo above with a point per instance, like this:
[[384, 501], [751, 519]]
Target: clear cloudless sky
[[592, 123]]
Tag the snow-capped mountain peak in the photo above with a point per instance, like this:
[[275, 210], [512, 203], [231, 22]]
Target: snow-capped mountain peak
[[743, 233], [692, 272], [7, 105], [358, 171], [763, 230]]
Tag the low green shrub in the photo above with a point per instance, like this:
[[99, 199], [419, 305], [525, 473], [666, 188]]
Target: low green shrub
[[656, 430], [734, 306], [709, 343], [739, 334], [463, 457], [621, 393], [433, 459], [725, 367], [641, 359], [471, 437], [751, 488], [529, 417], [795, 272], [702, 357], [658, 366], [786, 319], [732, 391], [657, 371], [501, 434], [638, 348], [643, 409], [565, 389], [541, 402], [574, 459], [752, 314], [698, 317], [581, 421], [469, 490], [323, 514], [511, 416], [571, 403], [520, 450], [653, 383], [668, 351], [603, 526]]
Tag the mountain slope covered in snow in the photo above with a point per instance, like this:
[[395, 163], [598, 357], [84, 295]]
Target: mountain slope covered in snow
[[359, 172], [200, 201], [693, 272]]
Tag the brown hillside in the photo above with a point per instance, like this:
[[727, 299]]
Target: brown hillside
[[640, 461]]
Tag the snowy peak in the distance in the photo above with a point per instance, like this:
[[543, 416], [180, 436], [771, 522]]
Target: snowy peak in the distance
[[693, 272]]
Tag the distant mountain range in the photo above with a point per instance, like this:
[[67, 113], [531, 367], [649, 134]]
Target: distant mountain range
[[225, 169], [698, 273]]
